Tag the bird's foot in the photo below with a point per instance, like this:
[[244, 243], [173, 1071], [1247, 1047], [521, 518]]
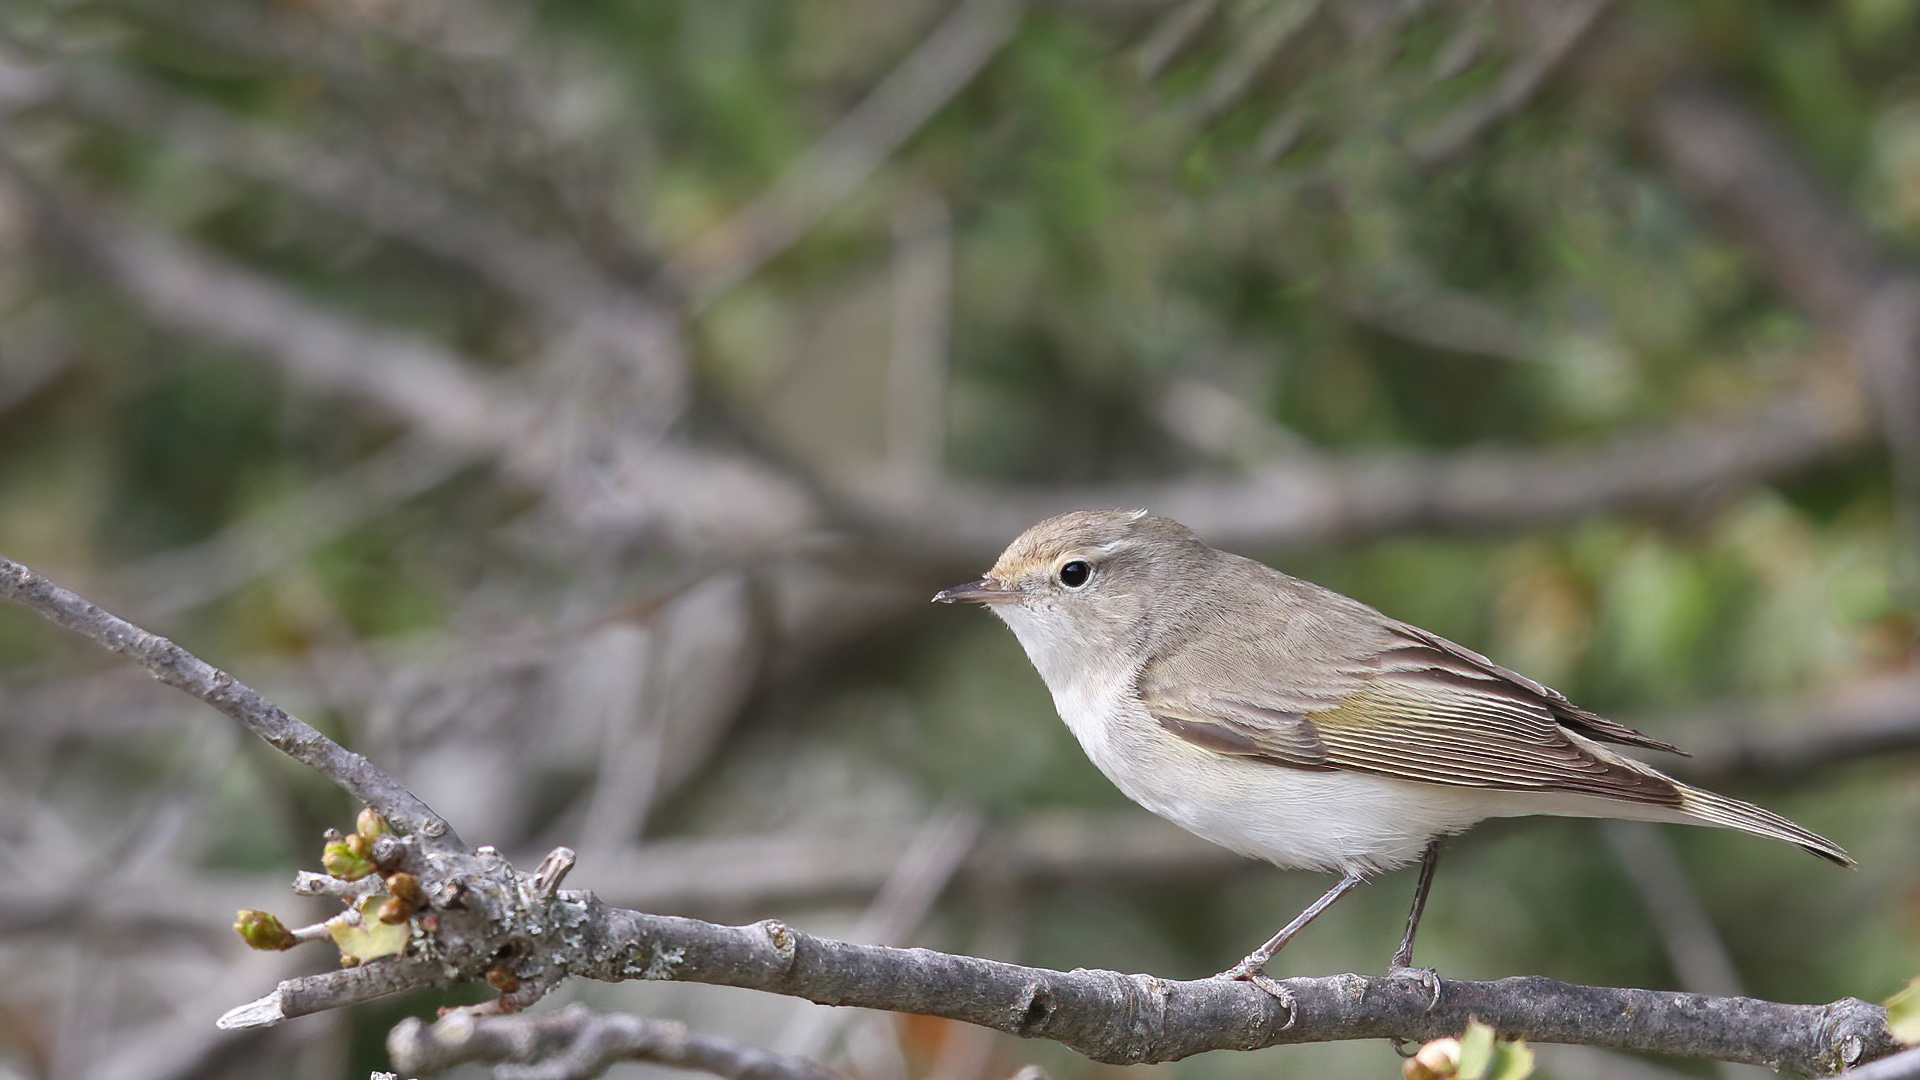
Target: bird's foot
[[1253, 970], [1429, 978], [1248, 971], [1279, 992]]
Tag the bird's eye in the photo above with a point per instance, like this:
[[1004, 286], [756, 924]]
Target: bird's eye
[[1075, 574]]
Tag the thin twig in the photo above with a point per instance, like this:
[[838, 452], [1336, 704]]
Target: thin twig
[[180, 669]]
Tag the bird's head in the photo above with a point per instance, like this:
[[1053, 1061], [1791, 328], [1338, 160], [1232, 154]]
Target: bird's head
[[1086, 589]]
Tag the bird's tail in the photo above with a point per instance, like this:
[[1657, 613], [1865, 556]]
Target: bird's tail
[[1711, 809]]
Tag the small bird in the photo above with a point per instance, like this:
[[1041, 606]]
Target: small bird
[[1287, 722]]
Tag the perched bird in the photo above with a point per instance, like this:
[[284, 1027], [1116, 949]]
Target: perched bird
[[1290, 723]]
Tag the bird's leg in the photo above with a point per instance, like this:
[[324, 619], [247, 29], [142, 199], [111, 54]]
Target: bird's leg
[[1402, 962], [1403, 957], [1253, 968]]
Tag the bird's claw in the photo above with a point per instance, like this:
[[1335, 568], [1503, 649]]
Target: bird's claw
[[1429, 978], [1251, 970], [1280, 992]]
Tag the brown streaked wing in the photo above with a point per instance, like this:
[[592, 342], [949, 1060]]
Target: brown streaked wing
[[1423, 650]]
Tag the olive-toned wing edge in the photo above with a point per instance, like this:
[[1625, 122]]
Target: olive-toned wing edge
[[1444, 658], [1414, 721]]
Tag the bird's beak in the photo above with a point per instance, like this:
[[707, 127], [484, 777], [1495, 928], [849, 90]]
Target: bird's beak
[[984, 591]]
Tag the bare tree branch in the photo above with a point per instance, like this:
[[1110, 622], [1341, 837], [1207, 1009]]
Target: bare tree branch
[[1127, 1019], [577, 1043], [1322, 497], [1134, 1019], [182, 670]]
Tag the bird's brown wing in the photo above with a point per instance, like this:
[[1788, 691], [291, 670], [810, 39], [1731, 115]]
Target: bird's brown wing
[[1409, 705]]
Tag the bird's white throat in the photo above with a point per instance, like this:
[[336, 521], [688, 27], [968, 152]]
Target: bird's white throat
[[1085, 681]]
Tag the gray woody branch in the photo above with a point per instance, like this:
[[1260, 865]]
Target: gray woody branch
[[577, 1042], [1132, 1019], [1137, 1019], [522, 932]]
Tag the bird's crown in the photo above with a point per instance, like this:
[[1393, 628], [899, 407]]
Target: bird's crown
[[1088, 533]]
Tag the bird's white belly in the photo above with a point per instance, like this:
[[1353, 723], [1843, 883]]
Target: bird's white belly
[[1332, 820]]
